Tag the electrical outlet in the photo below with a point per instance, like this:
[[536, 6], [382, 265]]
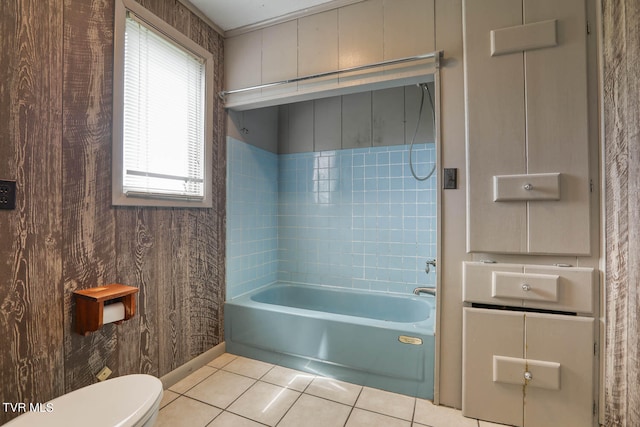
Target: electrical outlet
[[7, 194], [103, 374]]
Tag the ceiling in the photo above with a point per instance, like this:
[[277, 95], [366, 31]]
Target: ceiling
[[233, 14]]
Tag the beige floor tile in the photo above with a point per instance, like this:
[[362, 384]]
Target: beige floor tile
[[265, 403], [387, 403], [248, 367], [362, 418], [338, 391], [185, 412], [221, 388], [194, 378], [222, 360], [488, 424], [439, 416], [311, 411], [289, 378], [168, 397], [227, 419]]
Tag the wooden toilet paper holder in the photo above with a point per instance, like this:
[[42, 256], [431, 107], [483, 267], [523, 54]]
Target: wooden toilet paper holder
[[90, 305]]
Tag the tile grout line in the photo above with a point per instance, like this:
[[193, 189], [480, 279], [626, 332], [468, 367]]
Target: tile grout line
[[241, 394], [385, 414], [287, 388], [255, 381], [223, 410], [214, 406], [353, 407], [304, 391], [413, 413], [289, 408], [187, 390]]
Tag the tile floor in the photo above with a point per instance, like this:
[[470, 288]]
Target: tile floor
[[233, 391]]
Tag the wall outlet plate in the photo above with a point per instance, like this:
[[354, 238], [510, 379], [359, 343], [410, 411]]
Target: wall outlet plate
[[103, 374], [7, 194]]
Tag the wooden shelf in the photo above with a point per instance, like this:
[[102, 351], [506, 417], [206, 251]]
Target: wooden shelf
[[90, 305]]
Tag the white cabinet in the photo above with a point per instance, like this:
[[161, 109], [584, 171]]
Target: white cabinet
[[561, 289], [528, 369], [529, 336], [528, 176], [352, 35]]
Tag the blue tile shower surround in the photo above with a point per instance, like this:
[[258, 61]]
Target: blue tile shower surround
[[353, 218], [252, 217]]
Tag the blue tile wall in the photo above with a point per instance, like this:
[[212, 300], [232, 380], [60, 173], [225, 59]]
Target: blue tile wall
[[357, 218], [352, 218], [252, 221]]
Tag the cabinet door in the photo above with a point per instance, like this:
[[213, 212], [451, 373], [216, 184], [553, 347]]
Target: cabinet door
[[557, 128], [279, 56], [566, 340], [527, 114], [494, 96], [489, 333], [242, 62], [500, 346]]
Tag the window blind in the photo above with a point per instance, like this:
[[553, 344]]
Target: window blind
[[163, 116]]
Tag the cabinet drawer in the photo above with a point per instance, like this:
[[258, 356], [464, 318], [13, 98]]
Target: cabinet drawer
[[571, 289], [541, 186], [525, 286]]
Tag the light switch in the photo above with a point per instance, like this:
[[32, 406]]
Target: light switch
[[450, 178]]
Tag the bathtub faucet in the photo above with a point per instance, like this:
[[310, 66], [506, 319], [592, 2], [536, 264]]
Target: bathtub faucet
[[430, 291], [428, 264]]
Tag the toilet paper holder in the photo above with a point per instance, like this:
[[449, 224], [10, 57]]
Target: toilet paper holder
[[90, 305]]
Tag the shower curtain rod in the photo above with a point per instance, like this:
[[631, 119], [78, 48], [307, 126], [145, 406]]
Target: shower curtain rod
[[437, 55]]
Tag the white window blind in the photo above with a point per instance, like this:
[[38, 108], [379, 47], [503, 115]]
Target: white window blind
[[163, 116]]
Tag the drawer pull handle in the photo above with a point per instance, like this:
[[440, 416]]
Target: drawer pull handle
[[526, 287], [528, 376], [528, 187]]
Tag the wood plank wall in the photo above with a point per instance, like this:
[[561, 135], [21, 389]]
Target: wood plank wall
[[56, 72], [621, 63], [31, 238]]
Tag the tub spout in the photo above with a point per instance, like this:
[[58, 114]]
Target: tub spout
[[430, 291]]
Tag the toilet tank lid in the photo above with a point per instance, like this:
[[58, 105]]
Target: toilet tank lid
[[118, 402]]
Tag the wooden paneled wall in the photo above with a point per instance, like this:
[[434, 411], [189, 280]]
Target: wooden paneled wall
[[621, 63], [56, 72], [31, 236]]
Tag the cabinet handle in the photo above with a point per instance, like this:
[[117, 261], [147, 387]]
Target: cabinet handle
[[528, 187], [526, 287], [528, 376]]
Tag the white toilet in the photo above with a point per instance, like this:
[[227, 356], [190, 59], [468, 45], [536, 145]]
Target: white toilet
[[127, 401]]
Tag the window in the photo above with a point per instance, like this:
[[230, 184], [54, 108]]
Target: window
[[163, 99]]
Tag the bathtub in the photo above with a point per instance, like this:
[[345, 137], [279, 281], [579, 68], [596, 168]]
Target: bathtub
[[375, 339]]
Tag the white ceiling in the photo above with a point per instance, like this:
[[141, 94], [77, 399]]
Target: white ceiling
[[232, 14]]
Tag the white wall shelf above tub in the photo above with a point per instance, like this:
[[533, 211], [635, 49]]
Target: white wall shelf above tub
[[365, 78]]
